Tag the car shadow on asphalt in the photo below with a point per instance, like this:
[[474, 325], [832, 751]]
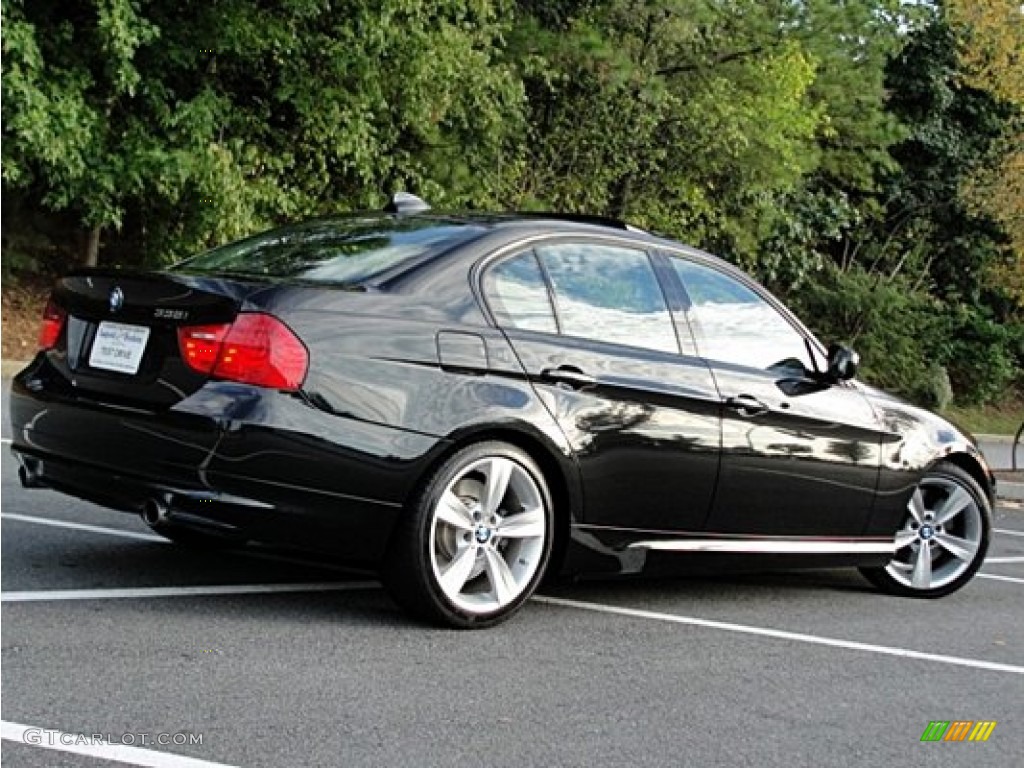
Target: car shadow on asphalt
[[703, 584], [83, 563]]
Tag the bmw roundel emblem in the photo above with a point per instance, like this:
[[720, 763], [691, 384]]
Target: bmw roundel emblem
[[116, 298]]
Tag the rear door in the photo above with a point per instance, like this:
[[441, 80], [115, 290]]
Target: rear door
[[592, 328], [799, 456]]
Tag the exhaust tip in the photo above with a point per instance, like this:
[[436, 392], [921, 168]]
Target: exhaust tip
[[154, 511], [29, 477]]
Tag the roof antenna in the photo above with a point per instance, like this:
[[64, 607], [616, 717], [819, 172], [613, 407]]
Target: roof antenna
[[403, 202]]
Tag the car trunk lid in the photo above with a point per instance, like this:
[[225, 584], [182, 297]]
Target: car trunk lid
[[120, 338]]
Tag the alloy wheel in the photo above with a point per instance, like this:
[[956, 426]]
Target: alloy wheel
[[940, 538], [488, 535]]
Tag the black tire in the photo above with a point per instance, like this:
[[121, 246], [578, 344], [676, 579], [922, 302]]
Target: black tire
[[409, 570], [944, 473]]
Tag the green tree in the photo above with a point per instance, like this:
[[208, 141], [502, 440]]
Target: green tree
[[991, 46], [916, 243], [701, 118], [190, 124], [68, 89]]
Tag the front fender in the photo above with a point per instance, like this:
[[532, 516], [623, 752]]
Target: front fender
[[915, 440]]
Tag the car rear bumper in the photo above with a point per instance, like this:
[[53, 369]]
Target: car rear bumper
[[256, 463]]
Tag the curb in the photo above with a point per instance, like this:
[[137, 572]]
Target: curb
[[1009, 491], [995, 438]]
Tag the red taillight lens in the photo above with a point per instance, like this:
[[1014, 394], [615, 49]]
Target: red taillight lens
[[260, 349], [255, 349], [53, 324], [200, 345]]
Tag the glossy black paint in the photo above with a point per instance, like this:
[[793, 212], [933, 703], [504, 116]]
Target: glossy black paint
[[813, 457], [409, 366]]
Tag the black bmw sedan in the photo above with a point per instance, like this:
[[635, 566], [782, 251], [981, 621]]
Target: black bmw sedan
[[470, 402]]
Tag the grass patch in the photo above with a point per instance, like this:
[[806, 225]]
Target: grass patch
[[989, 419]]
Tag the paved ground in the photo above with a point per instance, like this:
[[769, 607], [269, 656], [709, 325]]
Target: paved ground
[[684, 672]]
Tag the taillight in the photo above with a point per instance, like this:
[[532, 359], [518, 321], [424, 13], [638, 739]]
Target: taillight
[[200, 345], [53, 324], [256, 348], [260, 349]]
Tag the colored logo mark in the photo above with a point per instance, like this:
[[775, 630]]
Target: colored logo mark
[[958, 730]]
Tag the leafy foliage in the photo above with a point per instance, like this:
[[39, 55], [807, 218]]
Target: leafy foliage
[[991, 47], [884, 319], [863, 158], [195, 124]]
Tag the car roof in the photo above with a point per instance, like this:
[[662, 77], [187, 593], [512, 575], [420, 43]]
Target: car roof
[[496, 227], [467, 236], [533, 223], [510, 219]]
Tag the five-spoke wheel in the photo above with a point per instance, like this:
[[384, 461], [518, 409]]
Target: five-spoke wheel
[[476, 542], [943, 539]]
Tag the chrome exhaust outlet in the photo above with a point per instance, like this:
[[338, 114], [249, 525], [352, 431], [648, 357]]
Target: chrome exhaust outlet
[[154, 511], [29, 477]]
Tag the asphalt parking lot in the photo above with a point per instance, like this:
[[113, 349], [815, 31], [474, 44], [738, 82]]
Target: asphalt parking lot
[[106, 630]]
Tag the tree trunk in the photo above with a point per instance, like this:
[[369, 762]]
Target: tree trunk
[[91, 256], [621, 190]]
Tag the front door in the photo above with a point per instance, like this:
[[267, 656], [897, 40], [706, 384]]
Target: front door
[[799, 456]]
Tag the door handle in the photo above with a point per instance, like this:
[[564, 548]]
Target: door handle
[[747, 406], [569, 376]]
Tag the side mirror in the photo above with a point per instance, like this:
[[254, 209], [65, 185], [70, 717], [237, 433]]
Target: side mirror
[[842, 362]]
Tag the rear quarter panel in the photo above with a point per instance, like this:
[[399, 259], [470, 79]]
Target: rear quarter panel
[[387, 396]]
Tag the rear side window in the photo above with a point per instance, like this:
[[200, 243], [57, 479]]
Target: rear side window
[[518, 296], [343, 250], [608, 293]]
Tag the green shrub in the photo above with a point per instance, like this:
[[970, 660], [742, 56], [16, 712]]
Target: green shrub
[[931, 352], [982, 356], [889, 323]]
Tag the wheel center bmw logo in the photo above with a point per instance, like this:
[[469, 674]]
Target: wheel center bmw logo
[[116, 299], [926, 532], [483, 534]]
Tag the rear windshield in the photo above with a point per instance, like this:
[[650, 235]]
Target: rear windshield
[[346, 250]]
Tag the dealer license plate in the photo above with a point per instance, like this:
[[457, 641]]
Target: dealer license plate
[[119, 347]]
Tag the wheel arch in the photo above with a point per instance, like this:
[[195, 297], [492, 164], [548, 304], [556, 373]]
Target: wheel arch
[[974, 467], [559, 470]]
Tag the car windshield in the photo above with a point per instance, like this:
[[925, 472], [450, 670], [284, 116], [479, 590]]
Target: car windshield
[[344, 250]]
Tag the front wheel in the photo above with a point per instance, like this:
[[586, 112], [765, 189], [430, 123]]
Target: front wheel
[[943, 540], [475, 541]]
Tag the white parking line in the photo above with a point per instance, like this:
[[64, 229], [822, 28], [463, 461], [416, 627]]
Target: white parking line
[[1008, 532], [5, 440], [997, 577], [80, 744], [33, 596], [83, 527], [781, 634], [996, 560], [246, 589], [271, 556]]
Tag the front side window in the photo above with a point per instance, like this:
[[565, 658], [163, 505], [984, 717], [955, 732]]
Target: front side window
[[608, 293], [518, 296], [733, 324]]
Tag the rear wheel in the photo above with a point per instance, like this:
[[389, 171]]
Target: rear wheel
[[943, 539], [475, 541]]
